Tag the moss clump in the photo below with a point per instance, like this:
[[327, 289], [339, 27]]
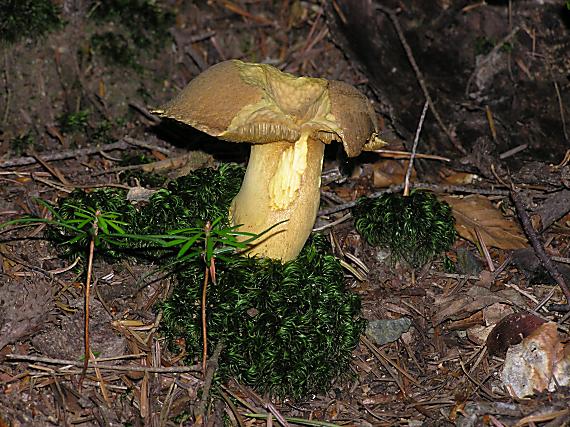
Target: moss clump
[[139, 25], [27, 19], [79, 123], [115, 50], [22, 143], [191, 200], [288, 329], [74, 122], [415, 228]]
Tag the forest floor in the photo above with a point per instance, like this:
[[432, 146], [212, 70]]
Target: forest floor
[[76, 93]]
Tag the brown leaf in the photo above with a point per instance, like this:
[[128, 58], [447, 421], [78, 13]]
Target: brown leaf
[[461, 306], [390, 172], [476, 211]]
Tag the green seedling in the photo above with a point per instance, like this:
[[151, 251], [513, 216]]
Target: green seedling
[[74, 122], [22, 143]]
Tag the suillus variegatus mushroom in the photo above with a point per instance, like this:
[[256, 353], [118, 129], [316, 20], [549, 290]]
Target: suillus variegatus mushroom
[[288, 120]]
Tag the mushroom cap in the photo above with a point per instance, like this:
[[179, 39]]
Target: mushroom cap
[[257, 103], [356, 117]]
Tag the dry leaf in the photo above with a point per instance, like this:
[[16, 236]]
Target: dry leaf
[[452, 177], [461, 306], [390, 172], [476, 211]]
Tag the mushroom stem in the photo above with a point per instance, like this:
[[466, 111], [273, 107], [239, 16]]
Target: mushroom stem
[[281, 183]]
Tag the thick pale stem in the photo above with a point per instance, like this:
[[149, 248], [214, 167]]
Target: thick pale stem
[[282, 182]]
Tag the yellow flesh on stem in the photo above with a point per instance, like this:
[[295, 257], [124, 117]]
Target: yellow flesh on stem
[[284, 185], [256, 209]]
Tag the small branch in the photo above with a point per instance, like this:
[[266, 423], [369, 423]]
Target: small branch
[[212, 367], [64, 362], [414, 148], [65, 154], [537, 244], [419, 76], [397, 154], [561, 108], [122, 144]]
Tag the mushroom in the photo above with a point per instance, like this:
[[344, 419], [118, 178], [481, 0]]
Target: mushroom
[[288, 120]]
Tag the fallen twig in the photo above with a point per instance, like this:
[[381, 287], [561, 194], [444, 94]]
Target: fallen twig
[[414, 148], [68, 154], [64, 362], [537, 244], [208, 378], [419, 76]]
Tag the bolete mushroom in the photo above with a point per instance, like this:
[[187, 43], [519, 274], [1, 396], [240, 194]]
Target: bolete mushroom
[[288, 120]]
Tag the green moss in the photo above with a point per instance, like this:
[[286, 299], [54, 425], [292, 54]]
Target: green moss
[[90, 125], [27, 19], [22, 143], [139, 26], [483, 45], [288, 329], [115, 49], [191, 200], [415, 228], [75, 122]]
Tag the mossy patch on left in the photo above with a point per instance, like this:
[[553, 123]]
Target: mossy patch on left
[[285, 328], [20, 19], [138, 27]]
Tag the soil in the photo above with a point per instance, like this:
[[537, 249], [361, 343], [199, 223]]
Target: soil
[[75, 101]]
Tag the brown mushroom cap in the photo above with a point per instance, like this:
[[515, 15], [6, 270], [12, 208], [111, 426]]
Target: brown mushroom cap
[[354, 115], [257, 103], [288, 119]]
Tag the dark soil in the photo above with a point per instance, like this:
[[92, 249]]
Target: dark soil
[[75, 97]]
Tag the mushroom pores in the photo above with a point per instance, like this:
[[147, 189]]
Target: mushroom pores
[[259, 104]]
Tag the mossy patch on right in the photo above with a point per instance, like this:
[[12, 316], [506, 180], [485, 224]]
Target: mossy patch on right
[[415, 228]]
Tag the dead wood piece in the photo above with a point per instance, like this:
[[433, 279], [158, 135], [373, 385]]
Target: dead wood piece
[[65, 154], [93, 365], [537, 244], [208, 378], [553, 208], [122, 144]]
